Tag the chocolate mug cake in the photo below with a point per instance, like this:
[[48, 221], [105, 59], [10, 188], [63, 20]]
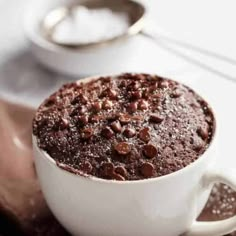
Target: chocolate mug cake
[[126, 127]]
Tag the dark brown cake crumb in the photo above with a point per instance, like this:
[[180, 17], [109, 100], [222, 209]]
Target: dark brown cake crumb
[[220, 206], [129, 127]]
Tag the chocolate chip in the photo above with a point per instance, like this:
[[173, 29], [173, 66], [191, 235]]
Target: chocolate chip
[[87, 134], [115, 125], [145, 94], [111, 117], [147, 169], [149, 150], [203, 132], [133, 86], [117, 177], [107, 132], [107, 104], [143, 105], [144, 134], [136, 85], [97, 106], [176, 93], [95, 119], [123, 83], [123, 148], [83, 99], [156, 118], [136, 95], [195, 105], [80, 99], [164, 84], [111, 93], [140, 77], [105, 79], [132, 107], [197, 144], [50, 101], [129, 132], [83, 120], [64, 123], [107, 169], [81, 110], [74, 101], [124, 118], [153, 87], [208, 119], [121, 170], [78, 111], [86, 167]]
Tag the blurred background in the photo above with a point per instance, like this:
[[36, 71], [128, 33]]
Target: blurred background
[[208, 25]]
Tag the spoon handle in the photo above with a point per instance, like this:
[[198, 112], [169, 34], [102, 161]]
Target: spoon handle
[[182, 49]]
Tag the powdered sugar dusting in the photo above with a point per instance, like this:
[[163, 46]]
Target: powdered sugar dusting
[[90, 25]]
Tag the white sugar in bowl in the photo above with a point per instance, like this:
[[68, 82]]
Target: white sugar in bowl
[[109, 57]]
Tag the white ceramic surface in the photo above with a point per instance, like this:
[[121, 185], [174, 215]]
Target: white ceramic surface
[[166, 206]]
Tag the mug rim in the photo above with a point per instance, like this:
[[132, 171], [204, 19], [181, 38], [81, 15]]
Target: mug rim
[[200, 158]]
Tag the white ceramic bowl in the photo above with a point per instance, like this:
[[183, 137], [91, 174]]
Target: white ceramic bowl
[[109, 58]]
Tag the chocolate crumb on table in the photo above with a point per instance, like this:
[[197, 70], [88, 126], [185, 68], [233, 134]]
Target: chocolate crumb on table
[[146, 125]]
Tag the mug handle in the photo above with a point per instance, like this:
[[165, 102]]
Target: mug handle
[[221, 227]]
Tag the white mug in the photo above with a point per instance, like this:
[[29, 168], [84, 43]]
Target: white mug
[[163, 206]]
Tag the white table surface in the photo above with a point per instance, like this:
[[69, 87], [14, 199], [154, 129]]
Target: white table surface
[[205, 23]]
